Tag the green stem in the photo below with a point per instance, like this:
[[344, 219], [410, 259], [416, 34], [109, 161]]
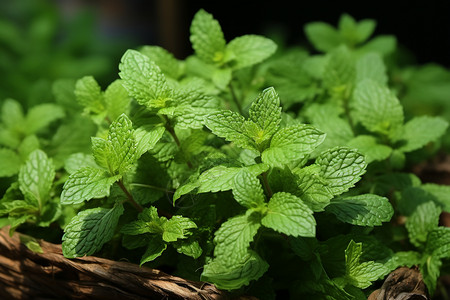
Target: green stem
[[130, 198], [171, 130], [266, 185], [235, 99]]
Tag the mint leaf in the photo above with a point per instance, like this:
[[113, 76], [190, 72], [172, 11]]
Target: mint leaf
[[420, 131], [155, 248], [116, 99], [431, 270], [169, 65], [233, 238], [144, 80], [177, 227], [189, 247], [231, 277], [377, 108], [438, 242], [36, 178], [40, 116], [77, 161], [439, 194], [90, 230], [10, 162], [341, 167], [148, 222], [422, 221], [362, 210], [89, 94], [247, 189], [369, 146], [323, 36], [339, 73], [361, 274], [292, 143], [265, 112], [86, 184], [230, 125], [287, 214], [371, 66], [12, 115], [207, 37], [249, 50], [146, 139]]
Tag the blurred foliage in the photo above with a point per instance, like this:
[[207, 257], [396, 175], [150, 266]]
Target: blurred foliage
[[39, 43]]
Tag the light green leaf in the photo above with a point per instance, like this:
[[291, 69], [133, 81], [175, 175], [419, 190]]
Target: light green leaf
[[17, 208], [90, 230], [323, 36], [339, 73], [221, 77], [77, 161], [362, 210], [28, 145], [10, 162], [265, 112], [438, 242], [86, 184], [177, 227], [377, 108], [288, 214], [369, 146], [359, 274], [341, 167], [41, 116], [168, 64], [231, 277], [403, 258], [383, 44], [292, 143], [233, 238], [371, 66], [422, 221], [146, 139], [144, 80], [155, 248], [148, 222], [230, 125], [12, 114], [247, 189], [207, 37], [221, 178], [116, 99], [420, 131], [249, 50], [431, 270], [36, 178], [89, 94], [440, 194]]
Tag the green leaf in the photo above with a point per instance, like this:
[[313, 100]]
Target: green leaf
[[177, 227], [377, 108], [341, 167], [249, 50], [207, 37], [89, 94], [404, 258], [420, 131], [359, 274], [233, 238], [287, 214], [10, 162], [362, 210], [116, 99], [146, 139], [371, 66], [144, 80], [77, 161], [339, 73], [12, 114], [90, 230], [169, 65], [422, 221], [230, 125], [247, 189], [86, 184], [431, 271], [221, 178], [17, 208], [155, 248], [440, 194], [292, 143], [369, 146], [383, 44], [189, 247], [323, 36], [36, 178], [148, 222], [231, 277], [40, 116], [438, 242], [312, 188], [265, 112]]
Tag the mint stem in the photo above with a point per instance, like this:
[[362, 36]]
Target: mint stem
[[130, 198], [266, 185], [171, 130], [235, 99]]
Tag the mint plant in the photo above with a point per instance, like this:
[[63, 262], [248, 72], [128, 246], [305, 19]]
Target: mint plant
[[265, 172]]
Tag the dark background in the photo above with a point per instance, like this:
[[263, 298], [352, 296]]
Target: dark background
[[421, 26]]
